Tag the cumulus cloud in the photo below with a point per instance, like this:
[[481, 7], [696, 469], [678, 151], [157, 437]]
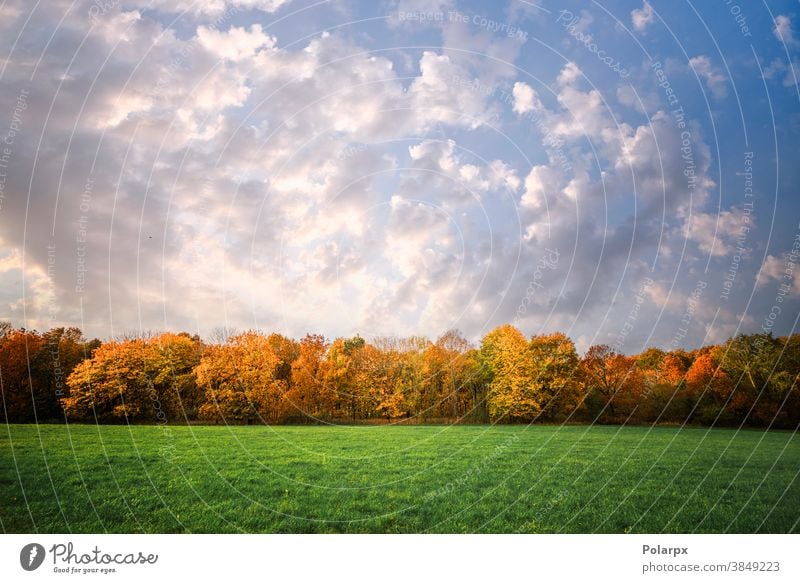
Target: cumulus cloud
[[212, 173], [235, 44], [525, 98], [233, 173], [714, 78], [441, 160], [642, 17], [207, 8], [780, 270], [780, 69], [783, 31], [570, 74], [717, 234]]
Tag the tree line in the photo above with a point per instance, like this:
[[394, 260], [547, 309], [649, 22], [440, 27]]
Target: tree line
[[253, 377]]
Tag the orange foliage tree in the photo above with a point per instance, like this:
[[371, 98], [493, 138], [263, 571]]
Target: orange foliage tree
[[240, 381], [252, 377], [614, 385], [34, 368], [709, 388], [138, 379], [308, 397], [16, 378]]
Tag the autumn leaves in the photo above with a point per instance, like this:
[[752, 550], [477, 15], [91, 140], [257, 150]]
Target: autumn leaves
[[531, 380], [257, 378]]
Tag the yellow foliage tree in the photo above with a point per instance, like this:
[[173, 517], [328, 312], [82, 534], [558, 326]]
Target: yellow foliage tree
[[239, 381], [137, 379], [511, 396]]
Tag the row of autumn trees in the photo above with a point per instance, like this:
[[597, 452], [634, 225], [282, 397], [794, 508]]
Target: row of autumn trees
[[257, 378]]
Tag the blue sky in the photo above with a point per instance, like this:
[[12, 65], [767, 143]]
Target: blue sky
[[624, 172]]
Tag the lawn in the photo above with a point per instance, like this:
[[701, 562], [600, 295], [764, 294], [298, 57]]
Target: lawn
[[459, 479]]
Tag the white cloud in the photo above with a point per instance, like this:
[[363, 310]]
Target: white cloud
[[525, 98], [783, 30], [717, 234], [780, 269], [235, 44], [451, 179], [434, 99], [540, 185], [569, 75], [16, 302], [715, 79], [642, 17], [789, 72], [415, 13], [212, 8], [313, 187], [637, 98]]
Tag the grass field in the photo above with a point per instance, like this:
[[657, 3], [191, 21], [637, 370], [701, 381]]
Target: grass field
[[85, 478]]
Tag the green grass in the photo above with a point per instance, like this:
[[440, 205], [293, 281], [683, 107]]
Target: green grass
[[84, 478]]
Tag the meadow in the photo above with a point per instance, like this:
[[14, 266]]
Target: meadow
[[397, 479]]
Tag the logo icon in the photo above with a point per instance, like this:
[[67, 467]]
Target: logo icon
[[31, 556]]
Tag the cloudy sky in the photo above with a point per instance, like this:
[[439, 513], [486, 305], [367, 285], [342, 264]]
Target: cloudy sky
[[624, 172]]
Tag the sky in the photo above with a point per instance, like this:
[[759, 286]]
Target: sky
[[625, 172]]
